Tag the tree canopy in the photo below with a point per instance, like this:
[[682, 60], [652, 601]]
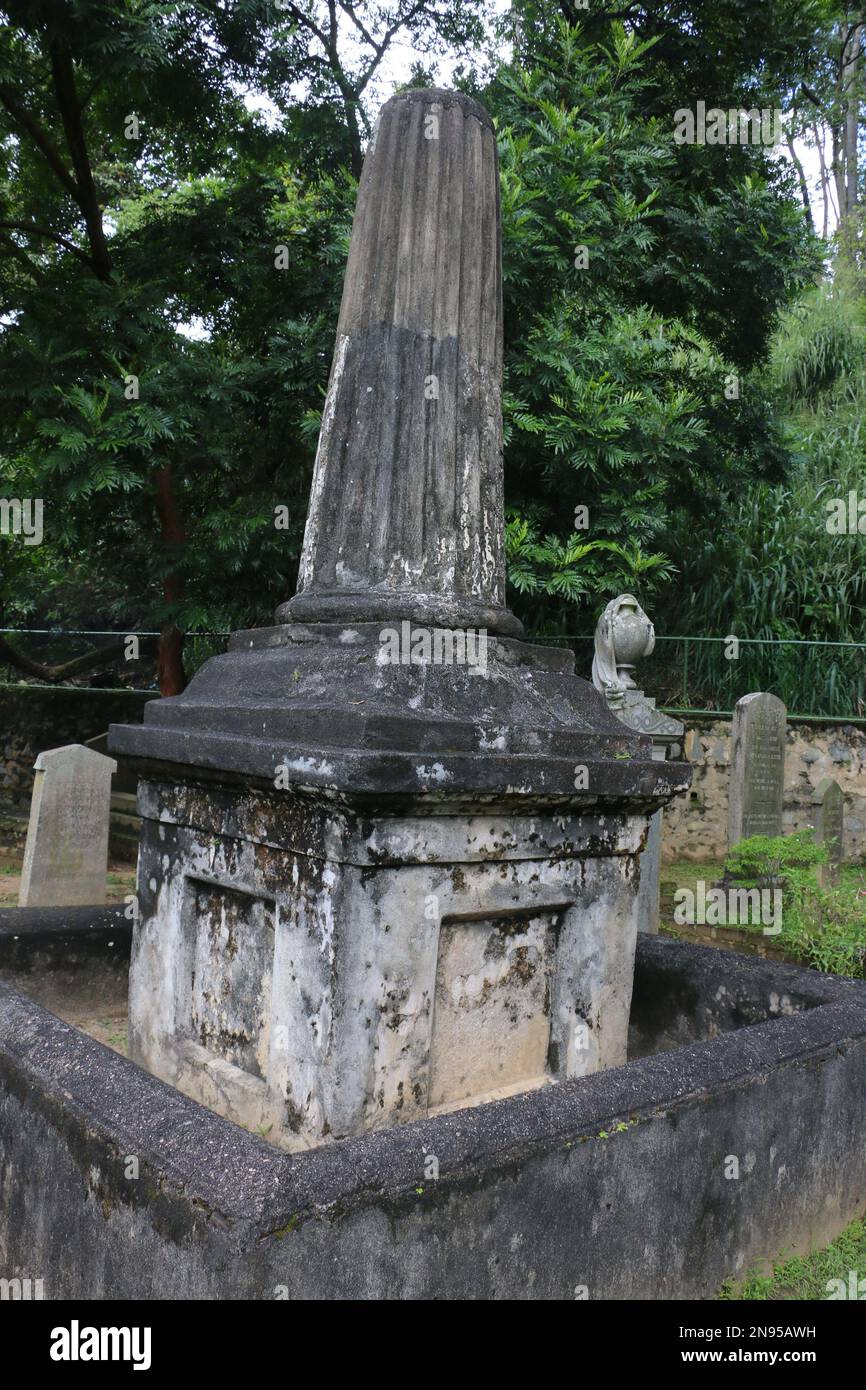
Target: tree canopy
[[176, 192]]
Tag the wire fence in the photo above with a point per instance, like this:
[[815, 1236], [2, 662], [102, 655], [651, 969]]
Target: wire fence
[[708, 675], [687, 674], [132, 669]]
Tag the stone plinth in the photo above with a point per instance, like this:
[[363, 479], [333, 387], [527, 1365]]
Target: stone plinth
[[422, 915], [639, 712], [387, 870], [336, 972]]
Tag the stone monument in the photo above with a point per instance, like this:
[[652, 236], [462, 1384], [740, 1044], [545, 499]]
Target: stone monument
[[757, 767], [66, 854], [829, 802], [623, 635], [388, 850]]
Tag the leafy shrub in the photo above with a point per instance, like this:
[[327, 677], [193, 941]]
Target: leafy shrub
[[765, 859], [824, 927]]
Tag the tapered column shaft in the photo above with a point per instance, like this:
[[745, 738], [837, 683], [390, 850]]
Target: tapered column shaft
[[406, 508]]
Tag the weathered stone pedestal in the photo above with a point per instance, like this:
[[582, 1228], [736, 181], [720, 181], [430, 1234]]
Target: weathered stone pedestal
[[421, 919], [379, 879], [334, 973], [666, 734]]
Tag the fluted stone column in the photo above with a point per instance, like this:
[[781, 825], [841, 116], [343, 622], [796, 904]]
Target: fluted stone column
[[405, 517]]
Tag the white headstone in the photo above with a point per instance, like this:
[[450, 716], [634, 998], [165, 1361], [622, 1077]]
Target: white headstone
[[66, 855]]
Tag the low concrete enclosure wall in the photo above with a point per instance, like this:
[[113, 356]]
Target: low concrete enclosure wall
[[616, 1185], [696, 825], [72, 960]]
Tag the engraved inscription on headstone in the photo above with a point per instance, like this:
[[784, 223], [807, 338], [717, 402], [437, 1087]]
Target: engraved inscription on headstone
[[66, 855], [757, 767]]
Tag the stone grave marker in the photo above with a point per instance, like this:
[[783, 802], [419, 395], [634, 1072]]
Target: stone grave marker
[[757, 767], [829, 802], [66, 854]]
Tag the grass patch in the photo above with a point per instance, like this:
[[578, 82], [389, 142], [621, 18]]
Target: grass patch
[[820, 925], [688, 873], [806, 1276]]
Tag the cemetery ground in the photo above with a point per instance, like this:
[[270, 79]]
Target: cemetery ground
[[838, 944], [808, 1276]]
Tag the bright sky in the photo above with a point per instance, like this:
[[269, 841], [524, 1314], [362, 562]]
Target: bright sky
[[398, 62], [396, 68], [812, 168]]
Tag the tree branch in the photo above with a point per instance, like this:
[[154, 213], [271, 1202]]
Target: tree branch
[[41, 139], [349, 9], [808, 92], [389, 34], [19, 254], [307, 22], [63, 73], [56, 675], [36, 230]]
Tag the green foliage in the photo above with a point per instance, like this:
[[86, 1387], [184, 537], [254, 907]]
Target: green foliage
[[576, 567], [618, 360], [805, 1276], [827, 929], [767, 858], [773, 570], [824, 927], [615, 373], [227, 409], [820, 344]]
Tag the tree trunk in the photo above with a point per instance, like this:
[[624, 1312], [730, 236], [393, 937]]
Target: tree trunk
[[846, 117], [825, 177], [804, 187], [852, 120], [170, 674]]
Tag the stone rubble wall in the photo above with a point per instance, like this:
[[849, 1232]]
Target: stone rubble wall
[[34, 718], [696, 824]]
